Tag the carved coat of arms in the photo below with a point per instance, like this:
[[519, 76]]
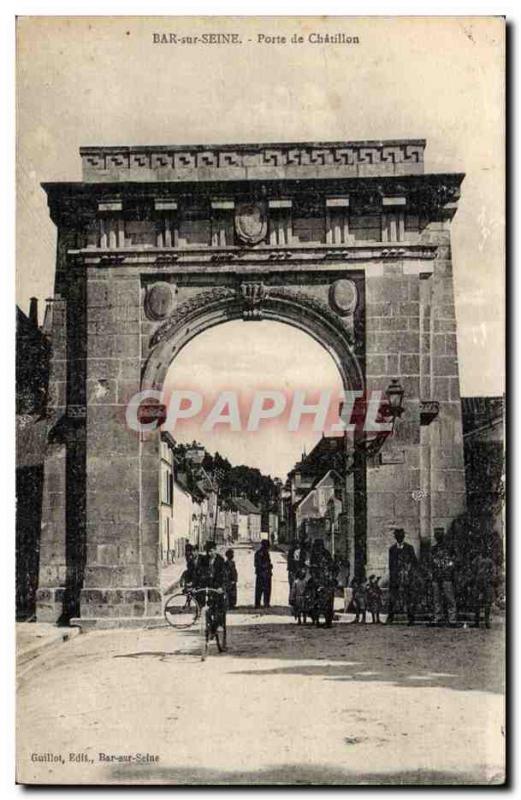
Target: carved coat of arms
[[251, 222]]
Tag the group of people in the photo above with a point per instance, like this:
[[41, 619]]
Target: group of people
[[407, 584], [210, 570], [311, 568]]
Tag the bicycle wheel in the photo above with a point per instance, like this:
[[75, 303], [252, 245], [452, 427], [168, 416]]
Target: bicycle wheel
[[181, 611], [207, 629]]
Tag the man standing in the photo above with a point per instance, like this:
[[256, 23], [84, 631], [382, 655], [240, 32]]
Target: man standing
[[402, 566], [442, 575], [483, 574], [263, 571], [231, 579]]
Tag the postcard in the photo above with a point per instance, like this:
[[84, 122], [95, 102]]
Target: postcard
[[260, 401]]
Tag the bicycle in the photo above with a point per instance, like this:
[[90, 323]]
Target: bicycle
[[206, 606]]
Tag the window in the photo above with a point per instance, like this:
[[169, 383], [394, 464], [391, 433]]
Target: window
[[167, 492]]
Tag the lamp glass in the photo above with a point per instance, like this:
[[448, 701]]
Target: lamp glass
[[395, 394]]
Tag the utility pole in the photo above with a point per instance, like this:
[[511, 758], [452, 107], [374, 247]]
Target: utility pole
[[218, 475]]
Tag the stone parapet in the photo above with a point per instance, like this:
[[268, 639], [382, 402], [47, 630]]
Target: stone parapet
[[249, 161]]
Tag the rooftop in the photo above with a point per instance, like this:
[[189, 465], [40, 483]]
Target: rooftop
[[244, 505]]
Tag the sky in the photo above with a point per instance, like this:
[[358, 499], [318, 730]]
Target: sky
[[258, 362], [93, 81]]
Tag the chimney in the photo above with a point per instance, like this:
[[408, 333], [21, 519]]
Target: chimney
[[33, 311]]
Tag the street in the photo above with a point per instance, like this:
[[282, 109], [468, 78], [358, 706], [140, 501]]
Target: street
[[286, 704]]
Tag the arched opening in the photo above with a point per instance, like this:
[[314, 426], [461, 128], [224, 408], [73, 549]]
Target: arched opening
[[242, 358], [289, 349], [222, 304]]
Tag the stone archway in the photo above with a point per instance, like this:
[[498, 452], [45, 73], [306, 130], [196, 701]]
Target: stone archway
[[348, 241]]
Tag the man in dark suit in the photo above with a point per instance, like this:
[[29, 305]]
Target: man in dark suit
[[263, 571], [210, 569], [402, 567], [211, 573]]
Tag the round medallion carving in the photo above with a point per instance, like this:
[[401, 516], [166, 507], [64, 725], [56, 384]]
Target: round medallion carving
[[251, 222], [343, 297], [159, 300]]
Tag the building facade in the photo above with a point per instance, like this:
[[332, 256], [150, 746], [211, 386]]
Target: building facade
[[32, 375], [317, 512], [245, 521], [348, 241], [183, 505], [270, 524]]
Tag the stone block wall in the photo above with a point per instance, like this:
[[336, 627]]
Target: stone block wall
[[411, 334], [122, 479], [442, 444], [393, 351]]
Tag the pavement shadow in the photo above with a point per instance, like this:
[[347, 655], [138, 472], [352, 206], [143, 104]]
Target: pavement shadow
[[295, 775], [462, 660]]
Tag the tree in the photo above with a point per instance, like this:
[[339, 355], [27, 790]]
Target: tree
[[235, 481]]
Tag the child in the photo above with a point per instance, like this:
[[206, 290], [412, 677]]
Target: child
[[299, 591], [231, 579], [342, 569], [374, 598], [359, 588]]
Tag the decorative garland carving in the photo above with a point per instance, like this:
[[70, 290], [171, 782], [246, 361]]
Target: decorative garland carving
[[297, 295], [185, 310], [252, 295]]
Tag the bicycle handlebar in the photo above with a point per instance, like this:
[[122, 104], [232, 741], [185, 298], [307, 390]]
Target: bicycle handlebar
[[205, 589]]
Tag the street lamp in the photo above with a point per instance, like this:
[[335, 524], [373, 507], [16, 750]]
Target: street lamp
[[388, 412], [394, 394]]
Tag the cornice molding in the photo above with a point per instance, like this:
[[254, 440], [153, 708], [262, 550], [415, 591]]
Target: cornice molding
[[237, 257]]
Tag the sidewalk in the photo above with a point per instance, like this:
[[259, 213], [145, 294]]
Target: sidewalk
[[35, 638]]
